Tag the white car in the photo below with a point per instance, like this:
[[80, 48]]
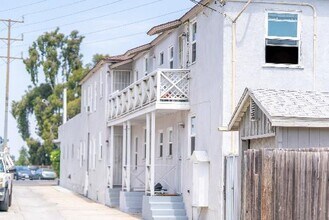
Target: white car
[[6, 182]]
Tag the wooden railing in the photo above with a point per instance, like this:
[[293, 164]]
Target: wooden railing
[[162, 86]]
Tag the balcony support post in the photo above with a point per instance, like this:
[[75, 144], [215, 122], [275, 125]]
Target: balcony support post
[[128, 160], [124, 156], [147, 156], [111, 162], [152, 170]]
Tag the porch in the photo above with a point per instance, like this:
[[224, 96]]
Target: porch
[[149, 113]]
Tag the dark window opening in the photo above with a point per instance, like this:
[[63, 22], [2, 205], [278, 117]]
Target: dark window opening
[[281, 55]]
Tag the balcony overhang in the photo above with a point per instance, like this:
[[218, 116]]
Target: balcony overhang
[[163, 91]]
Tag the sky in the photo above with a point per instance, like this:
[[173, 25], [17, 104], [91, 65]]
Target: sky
[[109, 26]]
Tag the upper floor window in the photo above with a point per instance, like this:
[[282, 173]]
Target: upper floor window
[[171, 57], [146, 65], [192, 134], [193, 41], [121, 79], [161, 58], [181, 51], [282, 43]]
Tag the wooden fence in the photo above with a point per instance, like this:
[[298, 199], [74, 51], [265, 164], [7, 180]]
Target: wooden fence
[[286, 184]]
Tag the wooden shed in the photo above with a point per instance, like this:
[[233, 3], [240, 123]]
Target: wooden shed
[[268, 118]]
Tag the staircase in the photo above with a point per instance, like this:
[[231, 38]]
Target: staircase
[[114, 197], [131, 202], [164, 208]]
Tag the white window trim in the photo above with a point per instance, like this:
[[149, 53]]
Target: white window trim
[[100, 146], [171, 58], [144, 144], [81, 154], [192, 41], [170, 129], [298, 38], [101, 85], [146, 65], [181, 59], [161, 63], [94, 154], [95, 94], [136, 152], [189, 152], [159, 143]]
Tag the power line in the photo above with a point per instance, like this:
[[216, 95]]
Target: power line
[[97, 17], [54, 8], [23, 6], [135, 22], [114, 38], [75, 13]]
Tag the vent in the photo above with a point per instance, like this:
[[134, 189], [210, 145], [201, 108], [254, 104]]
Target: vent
[[253, 111]]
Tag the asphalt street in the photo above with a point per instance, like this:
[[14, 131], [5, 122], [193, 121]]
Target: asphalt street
[[42, 199]]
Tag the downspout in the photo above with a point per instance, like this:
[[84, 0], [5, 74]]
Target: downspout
[[234, 21], [315, 28]]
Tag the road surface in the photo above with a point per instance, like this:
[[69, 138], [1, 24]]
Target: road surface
[[38, 200]]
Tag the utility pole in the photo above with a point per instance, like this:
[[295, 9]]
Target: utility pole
[[8, 40]]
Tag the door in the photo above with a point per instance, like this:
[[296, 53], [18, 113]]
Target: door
[[117, 169]]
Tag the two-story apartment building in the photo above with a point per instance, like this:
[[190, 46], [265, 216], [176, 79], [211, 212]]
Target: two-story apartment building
[[159, 112]]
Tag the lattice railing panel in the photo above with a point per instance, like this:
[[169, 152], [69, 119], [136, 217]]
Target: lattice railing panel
[[173, 87]]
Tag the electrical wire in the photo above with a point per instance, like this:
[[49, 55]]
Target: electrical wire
[[135, 22], [23, 6], [68, 15], [114, 38], [97, 17], [54, 8]]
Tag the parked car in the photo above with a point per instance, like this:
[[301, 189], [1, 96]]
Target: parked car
[[6, 181], [23, 173], [45, 174], [33, 171]]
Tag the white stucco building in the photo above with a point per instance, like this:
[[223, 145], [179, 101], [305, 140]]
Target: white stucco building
[[145, 112]]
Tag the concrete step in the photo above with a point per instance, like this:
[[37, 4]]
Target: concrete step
[[167, 205], [166, 199], [166, 212], [170, 217]]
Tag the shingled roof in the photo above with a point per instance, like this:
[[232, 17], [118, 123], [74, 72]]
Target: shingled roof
[[286, 108]]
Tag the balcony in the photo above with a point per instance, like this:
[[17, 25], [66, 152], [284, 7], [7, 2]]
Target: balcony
[[166, 89]]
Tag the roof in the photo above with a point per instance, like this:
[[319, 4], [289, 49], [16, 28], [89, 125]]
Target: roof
[[174, 24], [286, 108]]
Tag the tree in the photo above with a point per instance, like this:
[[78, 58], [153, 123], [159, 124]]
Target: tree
[[23, 159], [55, 160], [52, 56]]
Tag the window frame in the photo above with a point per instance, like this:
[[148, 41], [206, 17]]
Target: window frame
[[144, 143], [181, 51], [171, 57], [170, 142], [161, 58], [136, 153], [191, 135], [100, 146], [160, 144], [193, 41], [297, 38], [146, 65]]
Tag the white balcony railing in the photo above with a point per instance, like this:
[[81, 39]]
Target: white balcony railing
[[162, 86]]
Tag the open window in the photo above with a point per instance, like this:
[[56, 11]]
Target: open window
[[282, 43]]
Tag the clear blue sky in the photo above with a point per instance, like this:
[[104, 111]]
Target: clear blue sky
[[110, 27]]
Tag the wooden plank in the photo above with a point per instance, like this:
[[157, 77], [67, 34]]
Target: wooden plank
[[316, 183], [323, 185], [290, 184], [267, 186], [247, 194], [308, 213]]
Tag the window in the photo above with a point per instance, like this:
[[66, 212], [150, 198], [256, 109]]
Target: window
[[101, 85], [160, 144], [146, 64], [84, 94], [282, 43], [90, 99], [192, 134], [81, 154], [121, 79], [170, 141], [193, 41], [95, 94], [136, 153], [161, 58], [145, 136], [94, 153], [181, 51], [100, 146], [171, 57]]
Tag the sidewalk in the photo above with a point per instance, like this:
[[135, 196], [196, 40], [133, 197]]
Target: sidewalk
[[55, 202]]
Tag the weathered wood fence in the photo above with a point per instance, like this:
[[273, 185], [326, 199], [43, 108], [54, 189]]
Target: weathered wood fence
[[286, 184]]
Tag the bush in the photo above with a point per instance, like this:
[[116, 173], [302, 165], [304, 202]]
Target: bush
[[55, 160]]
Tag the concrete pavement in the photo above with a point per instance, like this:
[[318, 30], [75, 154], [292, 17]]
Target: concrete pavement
[[55, 203]]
